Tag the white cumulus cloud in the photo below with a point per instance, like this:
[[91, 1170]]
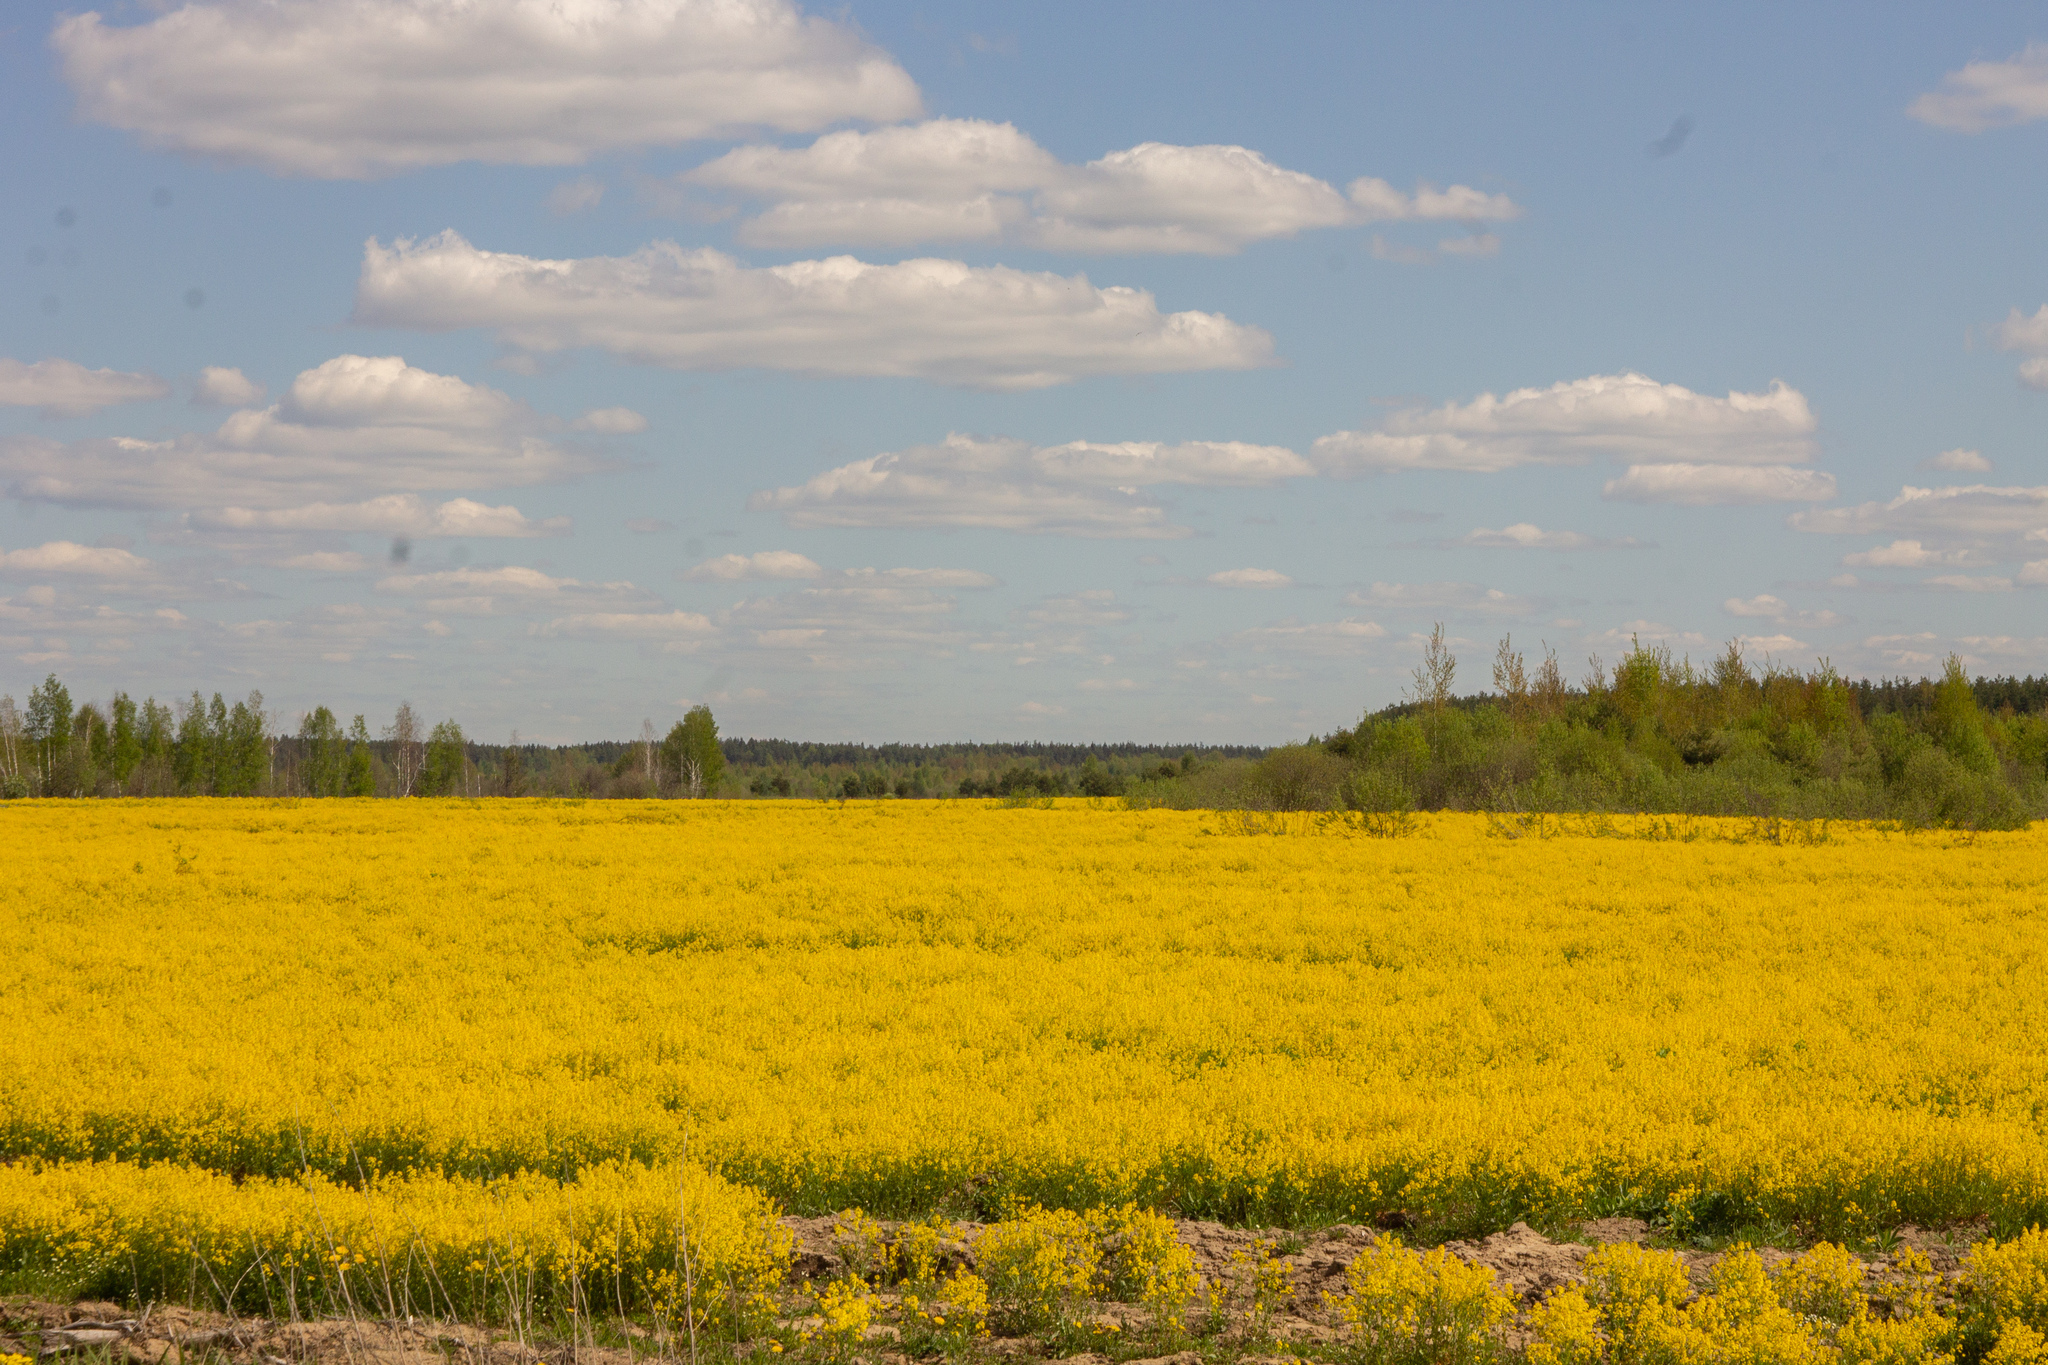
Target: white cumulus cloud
[[978, 326], [1900, 554], [67, 557], [1780, 643], [1719, 485], [353, 427], [765, 564], [631, 625], [1525, 535], [1986, 95], [65, 388], [1082, 488], [1990, 521], [2028, 335], [356, 88], [1958, 461], [916, 578], [1778, 610], [485, 592], [220, 386], [1444, 596], [1250, 578], [1624, 416], [393, 514], [955, 180]]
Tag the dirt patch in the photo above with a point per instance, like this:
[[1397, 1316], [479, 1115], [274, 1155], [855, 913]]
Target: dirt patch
[[1524, 1260], [1609, 1230], [178, 1336]]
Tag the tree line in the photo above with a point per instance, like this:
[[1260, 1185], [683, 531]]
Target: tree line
[[1659, 734], [199, 747], [1650, 733]]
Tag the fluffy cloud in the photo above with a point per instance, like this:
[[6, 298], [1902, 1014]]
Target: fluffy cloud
[[1443, 596], [841, 626], [355, 88], [1250, 578], [917, 578], [978, 326], [1958, 461], [1527, 536], [771, 565], [1780, 643], [1985, 95], [668, 626], [1993, 520], [1624, 416], [1777, 610], [1901, 554], [352, 427], [328, 561], [1958, 582], [2028, 335], [1712, 485], [65, 388], [487, 592], [766, 564], [1082, 488], [65, 557], [393, 514], [953, 180], [1903, 649], [218, 386], [1530, 537]]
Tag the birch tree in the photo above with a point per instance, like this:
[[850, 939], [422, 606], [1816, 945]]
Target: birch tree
[[406, 747], [691, 749], [10, 743]]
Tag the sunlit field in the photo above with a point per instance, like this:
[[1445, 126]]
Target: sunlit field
[[912, 1006]]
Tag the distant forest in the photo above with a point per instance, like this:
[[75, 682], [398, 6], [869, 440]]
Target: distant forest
[[1651, 734]]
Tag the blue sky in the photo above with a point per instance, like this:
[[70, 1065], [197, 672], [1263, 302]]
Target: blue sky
[[1008, 372]]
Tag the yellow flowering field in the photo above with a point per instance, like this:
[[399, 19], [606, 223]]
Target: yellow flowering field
[[919, 1005]]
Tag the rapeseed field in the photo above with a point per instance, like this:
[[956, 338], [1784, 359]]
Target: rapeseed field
[[916, 1006]]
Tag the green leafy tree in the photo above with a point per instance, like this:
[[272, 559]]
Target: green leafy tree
[[124, 748], [441, 775], [360, 779], [76, 767], [512, 776], [48, 724], [218, 766], [243, 755], [1956, 724], [323, 753], [192, 751], [93, 733], [691, 753], [158, 737]]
